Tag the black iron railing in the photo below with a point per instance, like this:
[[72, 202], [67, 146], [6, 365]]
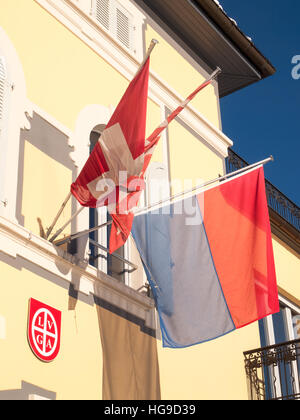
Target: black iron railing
[[277, 201], [273, 372]]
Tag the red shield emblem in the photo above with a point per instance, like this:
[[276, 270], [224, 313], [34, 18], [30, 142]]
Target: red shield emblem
[[44, 326]]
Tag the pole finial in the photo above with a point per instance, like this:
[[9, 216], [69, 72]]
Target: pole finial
[[216, 73], [153, 43]]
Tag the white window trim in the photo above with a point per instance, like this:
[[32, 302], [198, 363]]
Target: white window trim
[[288, 321], [288, 324], [270, 336], [6, 89], [88, 118], [274, 370], [19, 109]]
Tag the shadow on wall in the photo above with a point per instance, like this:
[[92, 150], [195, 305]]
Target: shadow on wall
[[130, 360], [129, 347], [53, 143], [27, 392]]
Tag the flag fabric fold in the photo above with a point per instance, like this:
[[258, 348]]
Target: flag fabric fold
[[209, 260]]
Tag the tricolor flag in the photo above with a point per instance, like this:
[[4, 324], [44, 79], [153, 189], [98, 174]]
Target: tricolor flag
[[112, 175], [209, 260]]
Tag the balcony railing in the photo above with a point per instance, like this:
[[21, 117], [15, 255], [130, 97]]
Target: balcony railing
[[277, 201], [273, 372]]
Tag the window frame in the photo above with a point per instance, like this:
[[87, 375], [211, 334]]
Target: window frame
[[88, 9], [101, 235], [286, 307]]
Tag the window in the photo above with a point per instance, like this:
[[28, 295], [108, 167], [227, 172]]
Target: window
[[99, 239], [281, 327], [116, 20]]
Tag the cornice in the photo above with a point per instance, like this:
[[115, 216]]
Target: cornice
[[284, 231], [17, 241]]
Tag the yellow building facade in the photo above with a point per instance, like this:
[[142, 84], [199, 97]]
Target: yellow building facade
[[64, 67]]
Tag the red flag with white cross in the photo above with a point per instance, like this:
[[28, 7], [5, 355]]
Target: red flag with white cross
[[113, 171]]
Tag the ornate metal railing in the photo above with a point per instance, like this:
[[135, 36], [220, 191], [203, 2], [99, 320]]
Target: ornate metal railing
[[273, 372], [277, 201]]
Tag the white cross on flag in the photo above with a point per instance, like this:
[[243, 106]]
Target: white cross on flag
[[113, 173]]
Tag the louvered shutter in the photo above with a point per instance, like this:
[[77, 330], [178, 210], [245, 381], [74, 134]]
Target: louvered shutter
[[102, 12], [116, 19], [123, 26], [3, 88]]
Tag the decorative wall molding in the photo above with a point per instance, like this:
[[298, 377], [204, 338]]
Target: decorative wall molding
[[16, 241], [126, 64], [88, 118]]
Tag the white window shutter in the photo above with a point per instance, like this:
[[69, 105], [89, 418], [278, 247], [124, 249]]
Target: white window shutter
[[102, 13], [3, 88], [123, 26], [116, 19]]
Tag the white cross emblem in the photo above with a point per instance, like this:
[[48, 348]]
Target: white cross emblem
[[118, 158]]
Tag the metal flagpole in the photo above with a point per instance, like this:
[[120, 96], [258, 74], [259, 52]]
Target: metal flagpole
[[205, 184], [82, 233], [58, 215], [59, 231], [154, 137], [153, 43], [132, 265], [169, 199]]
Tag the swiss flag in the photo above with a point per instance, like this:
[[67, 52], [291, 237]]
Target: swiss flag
[[113, 173]]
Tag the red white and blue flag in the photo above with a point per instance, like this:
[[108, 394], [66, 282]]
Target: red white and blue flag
[[209, 260]]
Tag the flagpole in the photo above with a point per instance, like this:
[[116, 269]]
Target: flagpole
[[169, 199], [59, 231], [155, 136], [205, 184], [82, 233], [152, 45]]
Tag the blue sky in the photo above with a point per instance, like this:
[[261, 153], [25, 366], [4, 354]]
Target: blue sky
[[263, 119]]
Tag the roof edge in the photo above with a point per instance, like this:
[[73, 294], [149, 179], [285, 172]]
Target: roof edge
[[236, 36]]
